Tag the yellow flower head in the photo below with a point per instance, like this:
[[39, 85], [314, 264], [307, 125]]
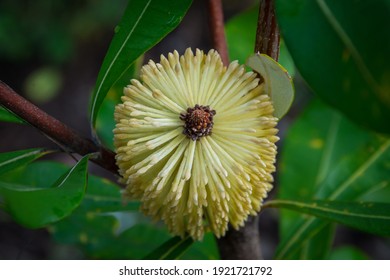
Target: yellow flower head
[[195, 142]]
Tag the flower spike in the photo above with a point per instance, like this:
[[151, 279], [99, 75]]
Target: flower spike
[[195, 142]]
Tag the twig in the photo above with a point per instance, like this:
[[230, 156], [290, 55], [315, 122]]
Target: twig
[[243, 244], [55, 129], [218, 30], [267, 34]]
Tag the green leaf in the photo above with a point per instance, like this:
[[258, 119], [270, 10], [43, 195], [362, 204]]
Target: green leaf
[[12, 160], [366, 216], [36, 207], [105, 226], [143, 25], [342, 57], [240, 35], [379, 194], [105, 122], [339, 160], [171, 249], [348, 253], [285, 58], [278, 83], [300, 237], [318, 246], [206, 249], [7, 116]]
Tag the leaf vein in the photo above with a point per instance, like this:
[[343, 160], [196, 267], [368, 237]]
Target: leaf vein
[[19, 157], [116, 56], [360, 170]]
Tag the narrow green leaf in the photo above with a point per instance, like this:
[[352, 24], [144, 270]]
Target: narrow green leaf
[[179, 250], [171, 249], [144, 24], [37, 207], [367, 216], [278, 83], [7, 116], [343, 58], [12, 160]]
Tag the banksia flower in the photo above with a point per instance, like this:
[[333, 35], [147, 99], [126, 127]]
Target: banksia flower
[[195, 142]]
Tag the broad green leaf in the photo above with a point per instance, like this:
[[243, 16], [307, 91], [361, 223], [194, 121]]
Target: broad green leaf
[[241, 34], [144, 24], [12, 160], [367, 216], [37, 174], [105, 122], [36, 207], [7, 116], [171, 249], [339, 160], [343, 58], [278, 84], [348, 253]]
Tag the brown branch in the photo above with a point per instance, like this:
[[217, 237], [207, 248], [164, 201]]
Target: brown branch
[[243, 244], [218, 29], [55, 129], [267, 34]]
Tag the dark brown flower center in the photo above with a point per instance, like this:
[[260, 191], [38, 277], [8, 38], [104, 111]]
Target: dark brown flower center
[[198, 121]]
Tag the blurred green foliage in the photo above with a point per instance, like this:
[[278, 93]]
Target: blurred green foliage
[[50, 30]]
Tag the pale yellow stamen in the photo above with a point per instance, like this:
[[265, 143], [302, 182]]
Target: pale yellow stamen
[[206, 181]]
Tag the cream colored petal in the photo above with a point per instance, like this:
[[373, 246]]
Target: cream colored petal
[[202, 185]]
